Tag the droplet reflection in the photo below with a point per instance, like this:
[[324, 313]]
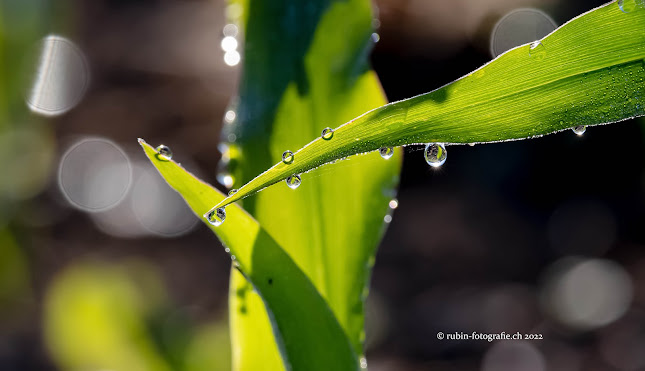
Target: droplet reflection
[[164, 151], [386, 152], [579, 129], [327, 133], [435, 154], [287, 157], [216, 217], [294, 181]]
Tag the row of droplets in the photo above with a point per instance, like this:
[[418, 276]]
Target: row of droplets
[[435, 155]]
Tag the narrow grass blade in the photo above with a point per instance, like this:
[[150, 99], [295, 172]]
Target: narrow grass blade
[[306, 330], [589, 71]]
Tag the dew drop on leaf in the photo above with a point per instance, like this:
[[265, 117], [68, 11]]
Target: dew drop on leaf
[[216, 217], [294, 181], [628, 6], [386, 152], [537, 50], [435, 154], [287, 157], [232, 192], [579, 129], [164, 151], [327, 133]]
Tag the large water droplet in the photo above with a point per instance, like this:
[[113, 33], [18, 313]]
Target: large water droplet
[[327, 133], [435, 154], [216, 217], [294, 181], [232, 192], [287, 157], [386, 152], [537, 50], [579, 129], [628, 6], [164, 152]]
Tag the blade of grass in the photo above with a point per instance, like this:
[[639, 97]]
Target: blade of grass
[[589, 71], [307, 331]]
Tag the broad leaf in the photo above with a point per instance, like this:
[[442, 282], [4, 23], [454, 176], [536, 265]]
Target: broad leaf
[[306, 68], [307, 330], [589, 71]]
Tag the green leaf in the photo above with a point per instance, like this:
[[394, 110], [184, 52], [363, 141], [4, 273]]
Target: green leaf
[[309, 334], [589, 71], [306, 68]]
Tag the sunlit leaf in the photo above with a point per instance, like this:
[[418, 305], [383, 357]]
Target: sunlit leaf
[[305, 68], [309, 334], [589, 71]]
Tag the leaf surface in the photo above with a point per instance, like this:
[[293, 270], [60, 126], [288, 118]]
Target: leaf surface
[[308, 332], [589, 71]]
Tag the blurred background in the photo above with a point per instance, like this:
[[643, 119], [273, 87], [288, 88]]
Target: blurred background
[[101, 262]]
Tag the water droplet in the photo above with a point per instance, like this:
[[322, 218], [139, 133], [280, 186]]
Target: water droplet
[[327, 133], [164, 151], [363, 363], [386, 152], [471, 144], [294, 181], [579, 129], [537, 50], [435, 154], [216, 217], [232, 192], [628, 6], [376, 37], [287, 157], [387, 219]]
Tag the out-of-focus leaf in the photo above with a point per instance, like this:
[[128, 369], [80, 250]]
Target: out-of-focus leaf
[[95, 320]]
